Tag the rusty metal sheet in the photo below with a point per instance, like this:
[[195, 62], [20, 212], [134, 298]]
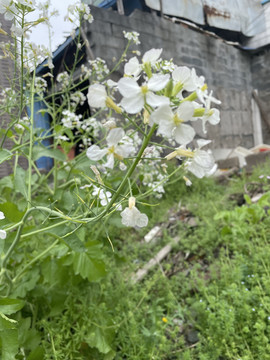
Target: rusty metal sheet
[[187, 9], [235, 15], [223, 14], [244, 16]]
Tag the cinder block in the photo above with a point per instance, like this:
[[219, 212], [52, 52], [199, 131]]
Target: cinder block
[[228, 163], [257, 159]]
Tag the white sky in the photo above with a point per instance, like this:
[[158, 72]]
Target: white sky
[[61, 29]]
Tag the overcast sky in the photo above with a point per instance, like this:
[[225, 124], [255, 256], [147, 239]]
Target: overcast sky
[[61, 28]]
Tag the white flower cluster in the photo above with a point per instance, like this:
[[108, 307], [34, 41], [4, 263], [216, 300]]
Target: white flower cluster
[[161, 96], [77, 98], [71, 120], [99, 68], [64, 79], [79, 11], [40, 85], [132, 36]]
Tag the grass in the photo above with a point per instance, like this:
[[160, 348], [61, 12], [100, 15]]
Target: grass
[[208, 300]]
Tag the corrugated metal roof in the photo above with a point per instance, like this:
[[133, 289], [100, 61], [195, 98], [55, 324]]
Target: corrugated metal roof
[[245, 16]]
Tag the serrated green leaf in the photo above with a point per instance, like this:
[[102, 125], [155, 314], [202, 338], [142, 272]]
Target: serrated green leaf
[[9, 344], [39, 151], [10, 306], [87, 267], [5, 155]]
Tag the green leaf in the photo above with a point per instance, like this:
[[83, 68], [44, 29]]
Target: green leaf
[[11, 212], [37, 354], [10, 306], [87, 267], [6, 323], [247, 199], [6, 182], [5, 155], [9, 344], [98, 339], [20, 182], [39, 151]]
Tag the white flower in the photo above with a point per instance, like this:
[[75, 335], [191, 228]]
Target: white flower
[[3, 234], [151, 56], [134, 36], [97, 98], [171, 125], [134, 96], [104, 196], [131, 216], [8, 8], [2, 215], [203, 163], [184, 78], [112, 151], [132, 67]]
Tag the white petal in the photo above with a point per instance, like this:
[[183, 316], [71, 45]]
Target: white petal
[[156, 100], [152, 55], [124, 150], [133, 105], [214, 119], [114, 136], [142, 220], [202, 142], [128, 87], [181, 74], [158, 82], [184, 134], [3, 234], [129, 216], [95, 153], [110, 161], [185, 111], [132, 67], [97, 96], [161, 113], [204, 159], [196, 170], [2, 215]]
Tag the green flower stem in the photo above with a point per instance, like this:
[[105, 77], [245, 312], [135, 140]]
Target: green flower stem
[[29, 195]]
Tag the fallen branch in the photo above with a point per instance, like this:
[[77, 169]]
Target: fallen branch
[[141, 273]]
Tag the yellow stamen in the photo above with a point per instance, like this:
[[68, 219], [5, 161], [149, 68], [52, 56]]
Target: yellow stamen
[[204, 87], [112, 105], [177, 121], [144, 89], [165, 320]]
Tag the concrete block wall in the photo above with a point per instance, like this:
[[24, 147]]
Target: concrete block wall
[[226, 68], [260, 69]]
